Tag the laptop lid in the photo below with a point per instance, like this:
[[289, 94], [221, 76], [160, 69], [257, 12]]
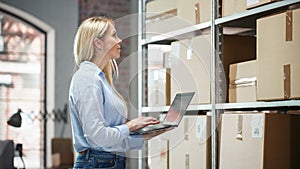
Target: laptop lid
[[178, 108]]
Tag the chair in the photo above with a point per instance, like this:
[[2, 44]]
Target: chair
[[7, 154]]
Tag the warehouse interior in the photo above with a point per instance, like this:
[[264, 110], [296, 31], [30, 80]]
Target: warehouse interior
[[239, 58]]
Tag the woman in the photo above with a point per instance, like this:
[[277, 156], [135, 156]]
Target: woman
[[98, 113]]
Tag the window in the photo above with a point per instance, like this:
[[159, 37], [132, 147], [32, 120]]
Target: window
[[22, 85]]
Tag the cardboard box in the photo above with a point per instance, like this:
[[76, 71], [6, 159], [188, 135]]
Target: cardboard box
[[164, 16], [242, 82], [278, 56], [259, 141], [62, 152], [194, 11], [190, 143], [256, 3], [231, 7], [236, 49], [198, 142], [158, 153], [190, 68], [155, 9], [158, 74]]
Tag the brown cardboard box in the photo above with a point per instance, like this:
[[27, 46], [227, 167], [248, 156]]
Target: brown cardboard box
[[278, 56], [189, 144], [154, 8], [194, 11], [255, 3], [164, 16], [231, 7], [198, 142], [158, 151], [259, 141], [237, 49], [242, 82], [191, 71], [158, 88], [62, 152]]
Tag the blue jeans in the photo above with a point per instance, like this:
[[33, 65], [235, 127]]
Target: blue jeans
[[93, 159]]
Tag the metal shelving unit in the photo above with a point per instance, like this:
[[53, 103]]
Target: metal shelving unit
[[246, 19], [203, 107]]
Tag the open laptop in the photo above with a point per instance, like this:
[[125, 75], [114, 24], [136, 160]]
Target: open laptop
[[173, 116]]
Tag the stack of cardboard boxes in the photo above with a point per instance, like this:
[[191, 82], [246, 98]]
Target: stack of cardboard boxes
[[256, 140], [277, 63], [187, 146], [264, 67]]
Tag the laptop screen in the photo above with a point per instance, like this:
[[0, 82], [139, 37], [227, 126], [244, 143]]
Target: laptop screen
[[178, 108]]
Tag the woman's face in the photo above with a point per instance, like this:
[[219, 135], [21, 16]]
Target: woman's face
[[112, 43]]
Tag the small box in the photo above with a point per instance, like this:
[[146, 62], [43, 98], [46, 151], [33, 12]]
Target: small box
[[278, 56], [259, 141], [242, 82]]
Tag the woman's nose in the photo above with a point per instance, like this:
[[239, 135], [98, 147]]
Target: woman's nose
[[119, 40]]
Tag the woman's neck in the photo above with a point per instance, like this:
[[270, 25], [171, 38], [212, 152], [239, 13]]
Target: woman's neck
[[100, 62]]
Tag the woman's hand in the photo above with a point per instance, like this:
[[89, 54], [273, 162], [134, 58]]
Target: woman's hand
[[141, 122]]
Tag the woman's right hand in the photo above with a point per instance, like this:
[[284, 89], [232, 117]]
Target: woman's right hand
[[141, 122]]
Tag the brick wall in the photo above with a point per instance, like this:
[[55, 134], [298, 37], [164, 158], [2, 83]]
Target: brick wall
[[114, 9]]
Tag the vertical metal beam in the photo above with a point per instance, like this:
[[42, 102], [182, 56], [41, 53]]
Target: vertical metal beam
[[140, 66], [218, 82], [213, 88]]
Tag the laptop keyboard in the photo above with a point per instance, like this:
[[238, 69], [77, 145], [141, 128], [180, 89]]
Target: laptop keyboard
[[152, 127]]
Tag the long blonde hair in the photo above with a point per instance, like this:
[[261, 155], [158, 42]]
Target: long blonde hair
[[89, 29]]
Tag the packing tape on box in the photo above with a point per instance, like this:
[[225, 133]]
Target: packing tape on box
[[289, 26], [197, 12], [187, 161], [186, 129], [239, 134], [287, 81], [243, 82]]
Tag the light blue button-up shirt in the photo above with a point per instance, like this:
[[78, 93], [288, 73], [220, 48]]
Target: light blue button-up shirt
[[97, 113]]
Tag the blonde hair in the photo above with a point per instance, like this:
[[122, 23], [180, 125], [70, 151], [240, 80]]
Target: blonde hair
[[91, 28]]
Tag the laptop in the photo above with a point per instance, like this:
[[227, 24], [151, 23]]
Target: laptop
[[173, 116]]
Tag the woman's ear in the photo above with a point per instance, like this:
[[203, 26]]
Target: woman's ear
[[98, 43]]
